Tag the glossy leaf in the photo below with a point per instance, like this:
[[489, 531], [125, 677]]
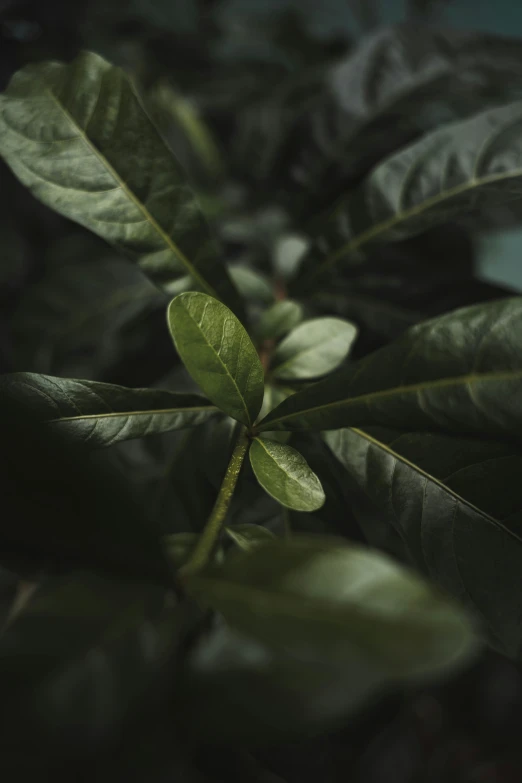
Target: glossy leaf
[[466, 167], [455, 504], [84, 654], [279, 319], [247, 536], [218, 353], [101, 414], [313, 348], [460, 373], [77, 136], [399, 82], [285, 475], [343, 604]]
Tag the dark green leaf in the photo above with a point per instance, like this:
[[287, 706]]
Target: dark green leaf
[[84, 317], [399, 82], [100, 414], [343, 604], [465, 167], [455, 503], [459, 373], [77, 136], [218, 353], [313, 348], [84, 655], [285, 475], [279, 319], [247, 536]]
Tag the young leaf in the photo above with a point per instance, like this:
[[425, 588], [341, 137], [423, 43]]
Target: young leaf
[[84, 652], [77, 136], [460, 373], [101, 414], [343, 604], [251, 284], [466, 167], [455, 503], [218, 353], [313, 348], [279, 319], [247, 536], [285, 474]]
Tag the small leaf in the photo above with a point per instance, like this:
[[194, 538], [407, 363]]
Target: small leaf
[[346, 605], [251, 284], [279, 319], [248, 536], [288, 255], [459, 373], [285, 475], [84, 654], [77, 136], [218, 353], [314, 348], [101, 414]]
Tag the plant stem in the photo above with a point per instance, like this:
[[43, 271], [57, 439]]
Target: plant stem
[[208, 538]]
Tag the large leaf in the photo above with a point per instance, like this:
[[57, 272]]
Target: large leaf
[[85, 655], [459, 373], [285, 475], [399, 82], [218, 353], [77, 136], [313, 348], [466, 167], [456, 504], [343, 604], [101, 414]]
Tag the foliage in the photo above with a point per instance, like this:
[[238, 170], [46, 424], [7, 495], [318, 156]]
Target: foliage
[[289, 228]]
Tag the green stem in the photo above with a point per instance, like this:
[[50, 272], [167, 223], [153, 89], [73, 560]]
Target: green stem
[[208, 538]]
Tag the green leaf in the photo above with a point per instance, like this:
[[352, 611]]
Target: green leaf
[[289, 252], [279, 319], [247, 536], [466, 167], [423, 75], [344, 604], [313, 348], [285, 475], [455, 504], [77, 136], [251, 284], [460, 373], [101, 414], [218, 353], [85, 653], [84, 317]]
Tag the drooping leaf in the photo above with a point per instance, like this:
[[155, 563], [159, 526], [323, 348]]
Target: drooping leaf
[[279, 319], [455, 503], [401, 81], [285, 474], [344, 604], [100, 414], [247, 536], [313, 348], [84, 654], [77, 136], [218, 353], [459, 373], [462, 168]]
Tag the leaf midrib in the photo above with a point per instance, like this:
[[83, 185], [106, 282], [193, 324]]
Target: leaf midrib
[[193, 271], [116, 414], [405, 215], [400, 458], [396, 390]]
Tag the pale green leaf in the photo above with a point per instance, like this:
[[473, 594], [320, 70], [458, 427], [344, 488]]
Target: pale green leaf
[[285, 475], [279, 319], [247, 536], [313, 348], [218, 353]]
